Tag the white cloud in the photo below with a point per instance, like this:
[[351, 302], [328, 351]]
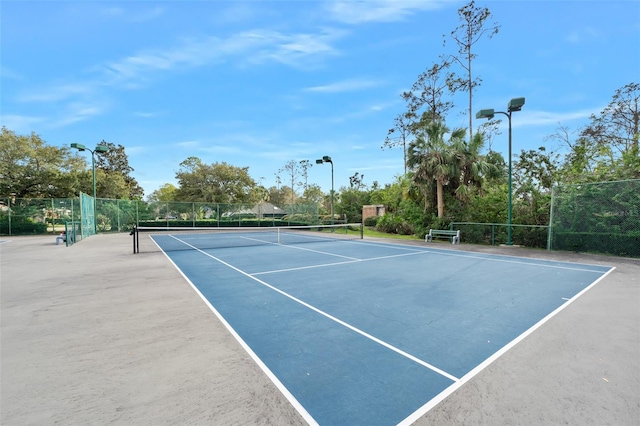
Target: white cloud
[[237, 13], [146, 15], [585, 34], [137, 70], [132, 16], [258, 45], [112, 11], [344, 86], [136, 150], [296, 50], [145, 114], [188, 144], [6, 72], [545, 118], [20, 123], [57, 92], [78, 111], [358, 12]]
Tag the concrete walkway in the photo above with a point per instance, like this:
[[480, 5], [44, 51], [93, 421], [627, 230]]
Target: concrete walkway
[[92, 334]]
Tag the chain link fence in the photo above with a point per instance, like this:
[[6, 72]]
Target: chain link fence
[[596, 217], [21, 216], [534, 236]]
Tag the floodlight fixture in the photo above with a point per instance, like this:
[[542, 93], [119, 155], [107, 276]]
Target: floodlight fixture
[[327, 159], [485, 113], [515, 104]]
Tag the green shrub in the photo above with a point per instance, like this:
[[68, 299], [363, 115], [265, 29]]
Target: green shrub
[[392, 224], [25, 228], [627, 244], [371, 221]]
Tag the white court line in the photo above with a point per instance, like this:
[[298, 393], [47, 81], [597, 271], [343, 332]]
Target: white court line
[[455, 386], [324, 265], [518, 262], [329, 316], [292, 399], [299, 248], [490, 257]]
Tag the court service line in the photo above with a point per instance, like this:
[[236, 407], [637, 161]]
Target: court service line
[[394, 246], [301, 248], [323, 265], [329, 316]]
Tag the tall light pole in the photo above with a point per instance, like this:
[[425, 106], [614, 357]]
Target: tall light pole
[[515, 104], [98, 148], [327, 159]]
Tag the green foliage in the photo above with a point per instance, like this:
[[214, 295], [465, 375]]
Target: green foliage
[[371, 221], [350, 203], [21, 227], [496, 233], [166, 192], [394, 224], [302, 218], [610, 210], [312, 194], [115, 164], [536, 170], [29, 168], [627, 244], [217, 182]]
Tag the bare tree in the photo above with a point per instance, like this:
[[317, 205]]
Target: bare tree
[[472, 28], [293, 171], [617, 127], [490, 129], [305, 165], [426, 98], [402, 125], [424, 104]]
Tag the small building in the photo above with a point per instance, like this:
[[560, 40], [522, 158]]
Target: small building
[[375, 210], [268, 210]]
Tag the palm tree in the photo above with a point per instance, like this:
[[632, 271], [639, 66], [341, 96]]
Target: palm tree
[[473, 165], [433, 159]]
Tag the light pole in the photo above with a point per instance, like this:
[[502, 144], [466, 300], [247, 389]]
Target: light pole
[[327, 159], [98, 148], [515, 104]]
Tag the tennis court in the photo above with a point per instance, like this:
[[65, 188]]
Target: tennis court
[[359, 332]]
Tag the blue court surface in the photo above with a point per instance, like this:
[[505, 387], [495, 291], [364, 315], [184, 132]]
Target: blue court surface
[[367, 333]]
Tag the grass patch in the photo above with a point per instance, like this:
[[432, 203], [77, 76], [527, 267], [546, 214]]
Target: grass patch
[[371, 232]]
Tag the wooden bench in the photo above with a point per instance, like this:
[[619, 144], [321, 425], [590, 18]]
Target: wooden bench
[[443, 233]]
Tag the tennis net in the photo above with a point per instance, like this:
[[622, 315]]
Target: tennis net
[[152, 239]]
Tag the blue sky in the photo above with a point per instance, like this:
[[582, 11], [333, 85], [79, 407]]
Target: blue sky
[[259, 83]]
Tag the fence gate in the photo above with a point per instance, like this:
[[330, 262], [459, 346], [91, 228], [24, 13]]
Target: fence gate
[[87, 209]]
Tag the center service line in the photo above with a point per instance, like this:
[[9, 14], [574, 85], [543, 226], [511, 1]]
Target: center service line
[[331, 317]]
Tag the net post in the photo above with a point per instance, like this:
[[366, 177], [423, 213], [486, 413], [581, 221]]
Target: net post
[[134, 233]]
